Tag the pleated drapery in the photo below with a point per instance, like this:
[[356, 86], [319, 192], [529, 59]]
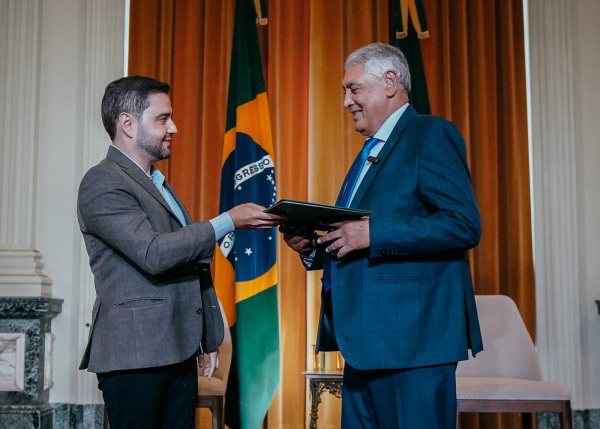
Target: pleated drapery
[[475, 68]]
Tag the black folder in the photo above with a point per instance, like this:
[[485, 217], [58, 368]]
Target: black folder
[[312, 215]]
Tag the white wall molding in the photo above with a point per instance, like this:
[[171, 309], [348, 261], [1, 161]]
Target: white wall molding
[[20, 263], [104, 47], [51, 133], [554, 191]]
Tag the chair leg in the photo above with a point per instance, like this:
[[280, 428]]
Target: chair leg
[[105, 424], [218, 416], [565, 416]]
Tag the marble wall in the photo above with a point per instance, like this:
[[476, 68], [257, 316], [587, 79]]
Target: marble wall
[[26, 361], [12, 350]]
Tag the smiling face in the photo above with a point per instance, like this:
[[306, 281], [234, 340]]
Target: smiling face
[[367, 99], [156, 129]]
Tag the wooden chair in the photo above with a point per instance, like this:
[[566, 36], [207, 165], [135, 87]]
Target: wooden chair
[[211, 393], [506, 377]]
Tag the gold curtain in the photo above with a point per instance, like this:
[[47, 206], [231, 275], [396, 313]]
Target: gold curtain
[[474, 62], [475, 67]]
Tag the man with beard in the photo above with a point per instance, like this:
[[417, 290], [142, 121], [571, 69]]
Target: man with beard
[[156, 307]]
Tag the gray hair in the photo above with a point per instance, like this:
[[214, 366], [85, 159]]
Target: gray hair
[[378, 58]]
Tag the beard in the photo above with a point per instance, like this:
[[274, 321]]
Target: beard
[[152, 145]]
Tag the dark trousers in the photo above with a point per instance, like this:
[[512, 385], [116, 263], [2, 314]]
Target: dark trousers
[[152, 398], [417, 398]]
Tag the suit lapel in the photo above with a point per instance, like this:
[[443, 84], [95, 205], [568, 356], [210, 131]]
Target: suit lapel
[[392, 141], [137, 174]]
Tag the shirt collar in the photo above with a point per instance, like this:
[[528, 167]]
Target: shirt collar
[[134, 161], [383, 133]]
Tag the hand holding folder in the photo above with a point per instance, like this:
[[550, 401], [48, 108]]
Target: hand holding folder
[[315, 216]]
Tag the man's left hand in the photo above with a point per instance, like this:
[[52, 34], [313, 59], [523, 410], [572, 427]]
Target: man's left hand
[[347, 237], [209, 368]]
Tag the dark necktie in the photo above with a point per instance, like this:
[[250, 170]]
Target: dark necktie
[[351, 180], [350, 183]]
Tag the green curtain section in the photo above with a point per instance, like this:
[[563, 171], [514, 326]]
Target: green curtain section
[[403, 26]]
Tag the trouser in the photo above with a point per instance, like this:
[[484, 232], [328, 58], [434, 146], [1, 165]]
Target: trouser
[[400, 399], [152, 398]]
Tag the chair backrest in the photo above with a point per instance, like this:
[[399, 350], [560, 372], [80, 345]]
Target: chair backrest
[[508, 351], [218, 383]]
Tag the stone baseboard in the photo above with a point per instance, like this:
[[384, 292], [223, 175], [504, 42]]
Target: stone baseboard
[[582, 419], [74, 416], [26, 416]]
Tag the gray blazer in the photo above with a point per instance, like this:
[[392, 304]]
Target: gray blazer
[[155, 301]]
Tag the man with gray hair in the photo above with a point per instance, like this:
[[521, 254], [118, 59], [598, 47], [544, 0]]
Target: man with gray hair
[[397, 297]]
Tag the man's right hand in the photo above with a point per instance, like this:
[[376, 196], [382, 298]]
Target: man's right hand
[[302, 240], [253, 216]]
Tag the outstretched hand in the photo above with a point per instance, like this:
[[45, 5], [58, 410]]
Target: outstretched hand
[[253, 216]]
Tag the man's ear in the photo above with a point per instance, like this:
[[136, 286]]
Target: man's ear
[[128, 123], [391, 82]]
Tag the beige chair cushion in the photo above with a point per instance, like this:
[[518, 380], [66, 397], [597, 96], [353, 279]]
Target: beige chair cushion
[[508, 351], [509, 389]]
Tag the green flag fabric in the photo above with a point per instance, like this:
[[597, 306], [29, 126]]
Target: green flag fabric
[[245, 260]]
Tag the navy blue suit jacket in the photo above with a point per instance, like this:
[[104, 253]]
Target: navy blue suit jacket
[[408, 300]]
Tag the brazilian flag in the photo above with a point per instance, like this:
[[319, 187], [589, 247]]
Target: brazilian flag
[[246, 260], [408, 25]]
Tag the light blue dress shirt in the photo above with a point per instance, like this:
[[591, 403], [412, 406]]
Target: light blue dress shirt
[[382, 134]]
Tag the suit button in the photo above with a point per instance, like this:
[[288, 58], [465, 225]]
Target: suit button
[[199, 311]]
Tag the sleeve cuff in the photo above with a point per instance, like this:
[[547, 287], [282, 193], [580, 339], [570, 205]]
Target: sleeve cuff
[[223, 225]]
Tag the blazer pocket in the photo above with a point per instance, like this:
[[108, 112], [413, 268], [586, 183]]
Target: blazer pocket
[[141, 302]]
